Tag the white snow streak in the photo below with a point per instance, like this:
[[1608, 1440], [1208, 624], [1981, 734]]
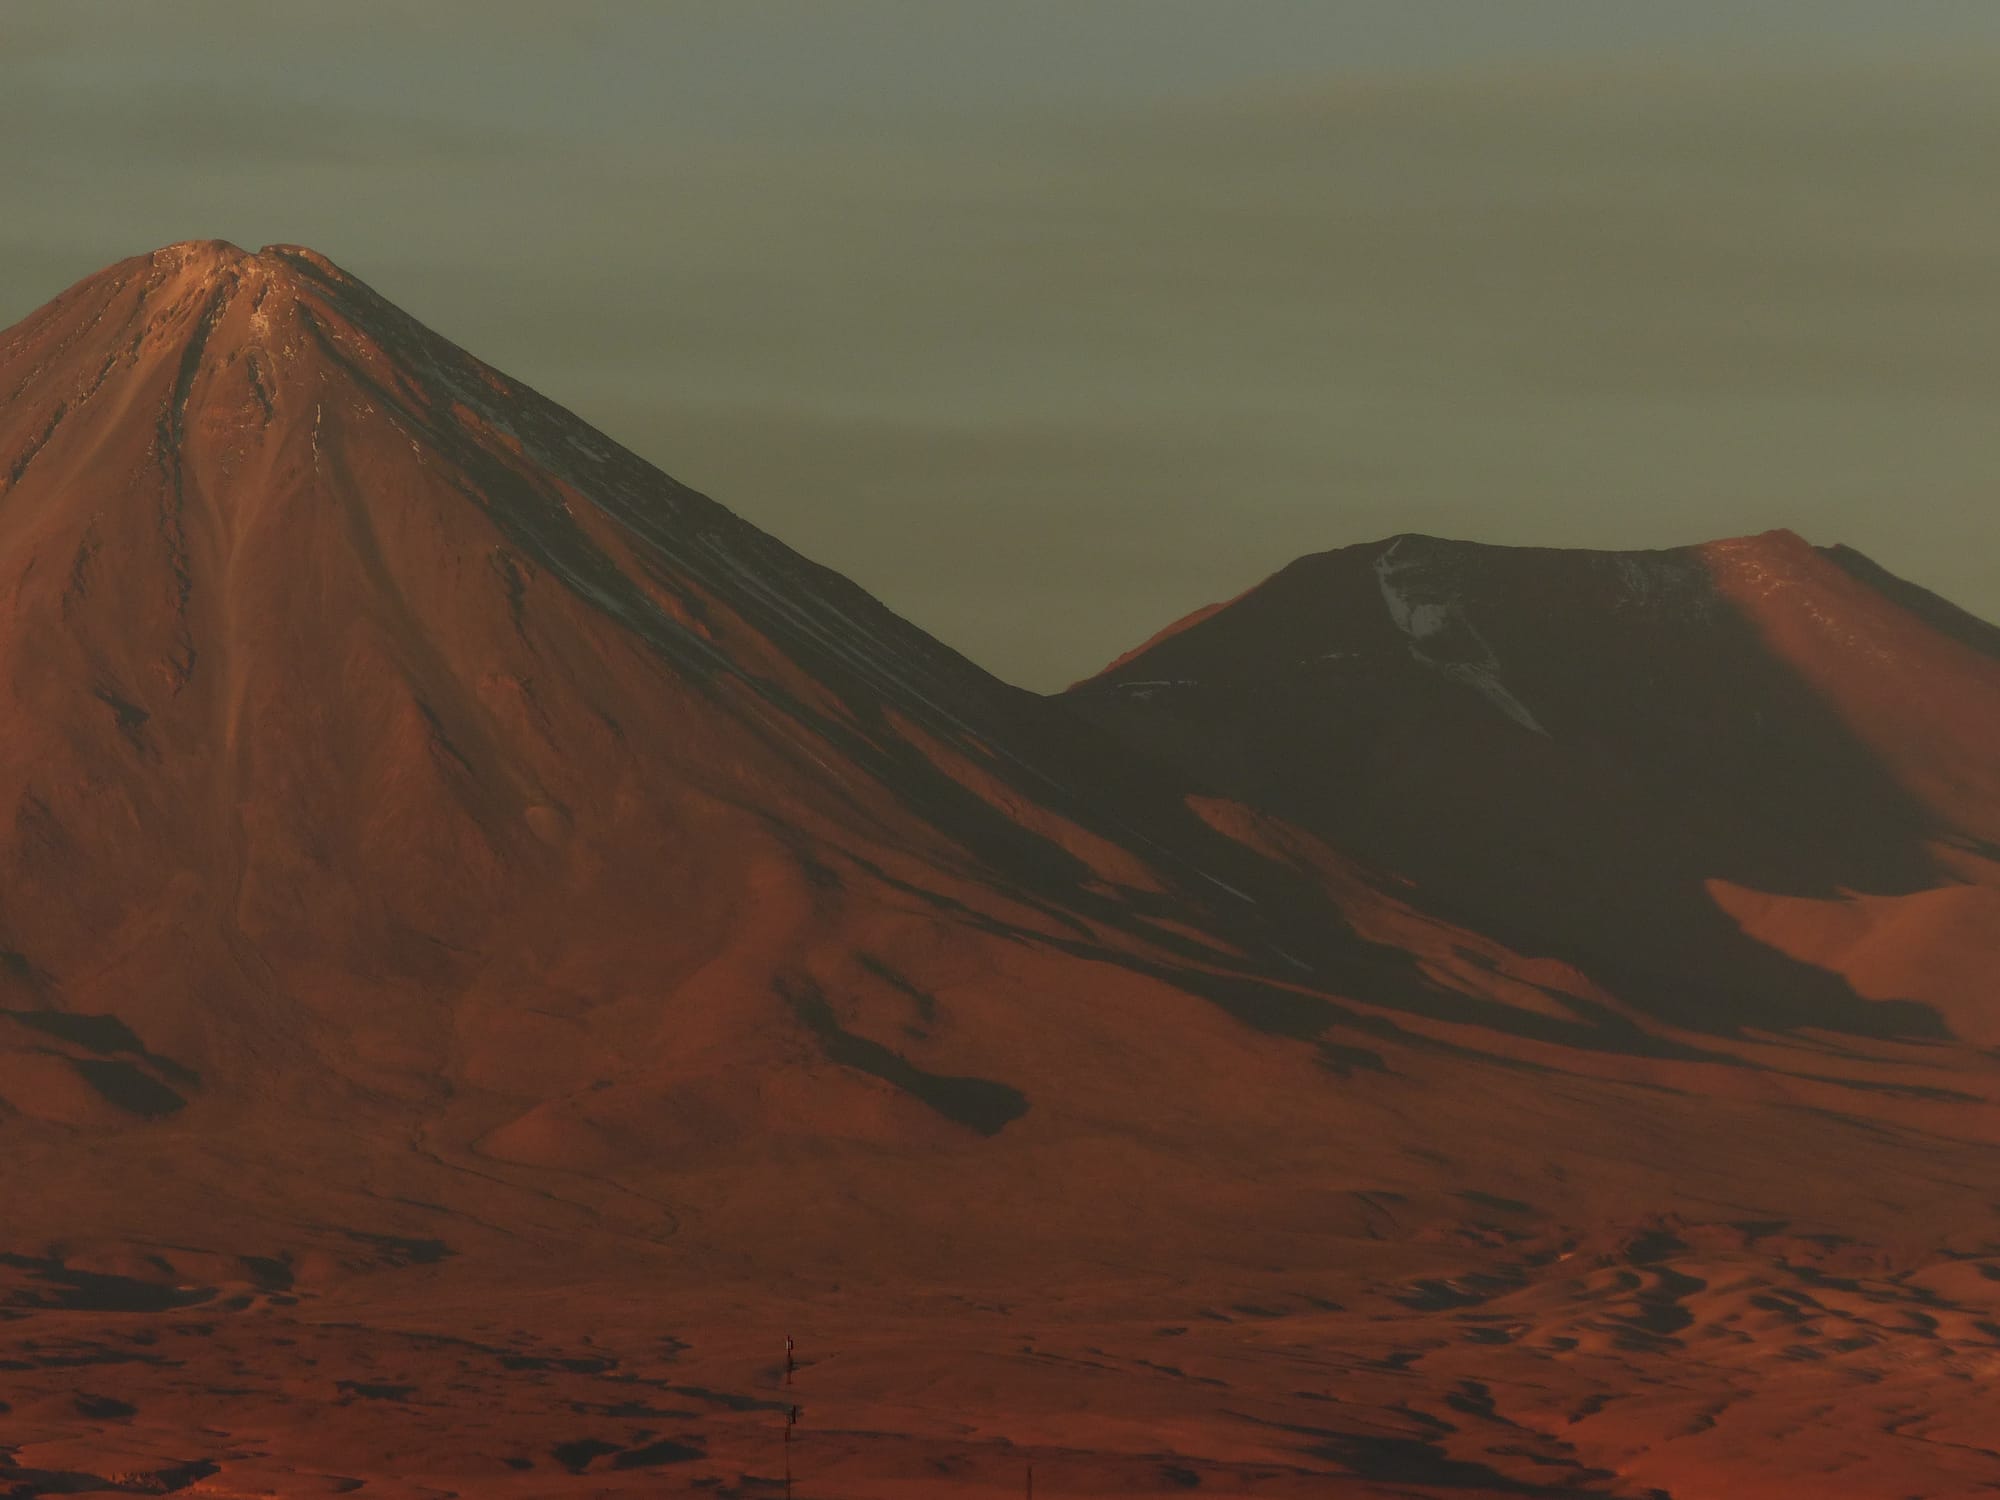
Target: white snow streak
[[1429, 620]]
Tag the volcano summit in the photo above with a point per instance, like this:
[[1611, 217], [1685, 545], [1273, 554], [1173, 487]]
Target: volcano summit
[[490, 940]]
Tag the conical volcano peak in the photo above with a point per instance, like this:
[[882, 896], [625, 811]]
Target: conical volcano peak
[[403, 666], [216, 259], [243, 343], [283, 365], [237, 432], [184, 291], [201, 256], [221, 270]]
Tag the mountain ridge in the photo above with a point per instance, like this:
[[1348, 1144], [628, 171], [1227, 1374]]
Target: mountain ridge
[[489, 940], [1754, 711]]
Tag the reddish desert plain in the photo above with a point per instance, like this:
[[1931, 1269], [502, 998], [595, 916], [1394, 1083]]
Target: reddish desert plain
[[491, 944]]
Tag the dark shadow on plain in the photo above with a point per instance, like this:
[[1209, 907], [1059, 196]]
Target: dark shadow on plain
[[979, 1104]]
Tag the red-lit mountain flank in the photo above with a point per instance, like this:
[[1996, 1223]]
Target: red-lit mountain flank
[[489, 941]]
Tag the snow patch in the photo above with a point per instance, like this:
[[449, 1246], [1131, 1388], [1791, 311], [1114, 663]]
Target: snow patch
[[1441, 636]]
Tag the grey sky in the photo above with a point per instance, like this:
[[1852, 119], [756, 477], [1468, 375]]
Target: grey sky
[[1050, 321]]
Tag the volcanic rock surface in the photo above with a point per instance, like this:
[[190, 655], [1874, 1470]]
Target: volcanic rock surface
[[490, 941]]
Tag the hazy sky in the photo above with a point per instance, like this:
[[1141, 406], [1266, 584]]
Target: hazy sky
[[1050, 320]]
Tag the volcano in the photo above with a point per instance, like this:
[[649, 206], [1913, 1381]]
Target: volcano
[[350, 679], [491, 943], [1681, 771]]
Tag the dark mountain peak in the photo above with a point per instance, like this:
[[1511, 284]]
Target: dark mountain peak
[[1575, 749], [1498, 565], [1416, 592]]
